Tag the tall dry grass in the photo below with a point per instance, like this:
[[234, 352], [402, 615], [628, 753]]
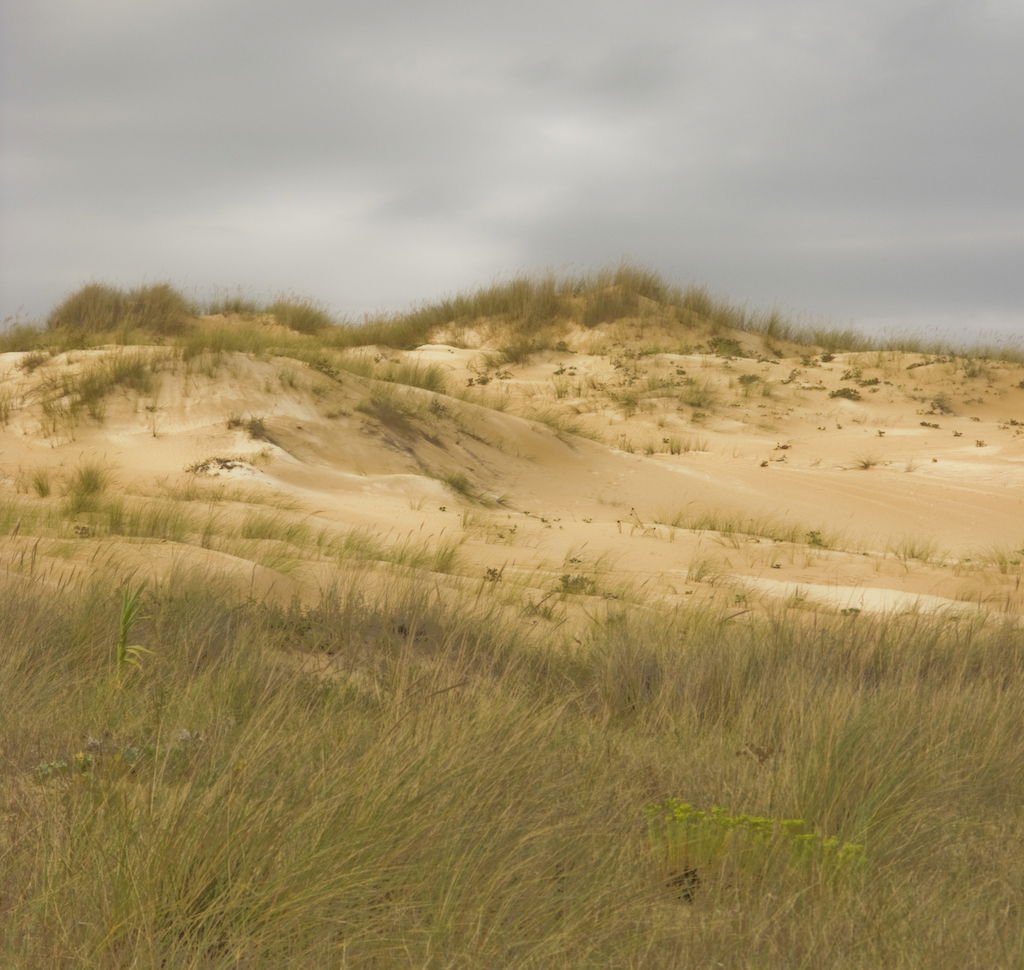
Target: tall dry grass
[[414, 778]]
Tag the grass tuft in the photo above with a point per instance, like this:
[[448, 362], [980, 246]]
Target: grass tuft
[[86, 484]]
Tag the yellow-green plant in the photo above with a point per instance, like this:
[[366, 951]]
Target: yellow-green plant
[[129, 656], [694, 841]]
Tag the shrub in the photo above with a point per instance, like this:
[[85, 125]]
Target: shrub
[[849, 393]]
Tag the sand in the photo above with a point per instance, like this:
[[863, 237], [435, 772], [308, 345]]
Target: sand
[[910, 497]]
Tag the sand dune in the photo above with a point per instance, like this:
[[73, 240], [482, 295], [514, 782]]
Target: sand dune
[[681, 473]]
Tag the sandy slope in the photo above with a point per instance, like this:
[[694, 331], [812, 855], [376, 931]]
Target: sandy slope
[[916, 488]]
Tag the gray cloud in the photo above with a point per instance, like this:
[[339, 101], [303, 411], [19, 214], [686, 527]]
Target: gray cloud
[[856, 161]]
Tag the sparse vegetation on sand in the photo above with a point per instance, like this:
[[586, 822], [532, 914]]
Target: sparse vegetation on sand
[[544, 626]]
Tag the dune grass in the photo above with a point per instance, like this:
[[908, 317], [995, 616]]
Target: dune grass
[[97, 308], [536, 310], [399, 776], [430, 377], [732, 524]]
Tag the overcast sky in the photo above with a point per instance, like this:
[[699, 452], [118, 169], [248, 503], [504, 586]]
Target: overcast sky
[[858, 163]]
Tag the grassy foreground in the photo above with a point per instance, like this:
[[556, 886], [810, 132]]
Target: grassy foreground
[[416, 780]]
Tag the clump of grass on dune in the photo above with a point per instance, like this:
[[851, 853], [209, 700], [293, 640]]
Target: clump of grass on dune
[[395, 774], [524, 303], [732, 524], [101, 310], [429, 554], [237, 337], [430, 377], [233, 305], [21, 336], [301, 315], [65, 394], [86, 484]]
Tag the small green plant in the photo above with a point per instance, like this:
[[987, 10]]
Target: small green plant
[[848, 393], [129, 656], [695, 844]]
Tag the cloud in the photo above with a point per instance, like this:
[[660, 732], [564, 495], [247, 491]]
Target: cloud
[[858, 160]]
